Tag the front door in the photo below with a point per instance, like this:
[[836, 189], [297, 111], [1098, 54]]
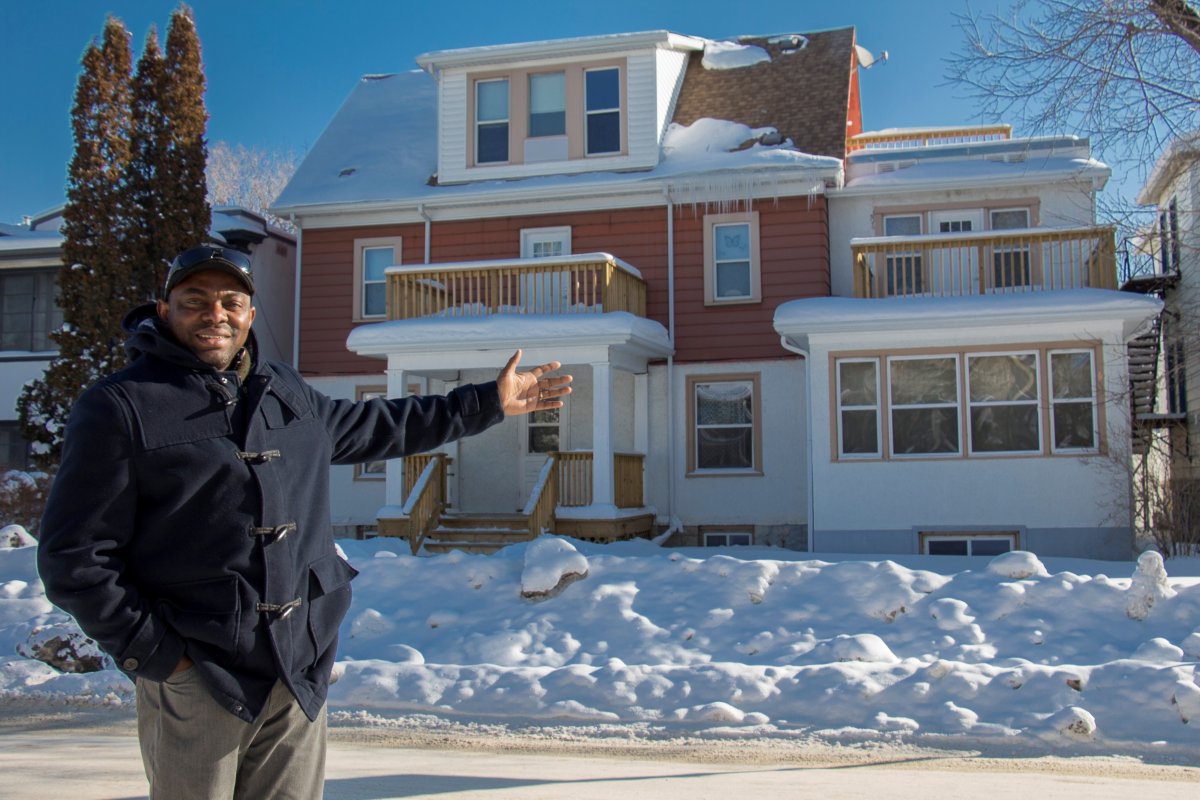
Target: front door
[[955, 270], [542, 433], [546, 292]]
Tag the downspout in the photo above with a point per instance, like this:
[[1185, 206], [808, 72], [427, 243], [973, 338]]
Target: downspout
[[296, 299], [428, 227], [808, 436], [671, 517]]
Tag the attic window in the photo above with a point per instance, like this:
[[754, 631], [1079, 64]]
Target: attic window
[[347, 172]]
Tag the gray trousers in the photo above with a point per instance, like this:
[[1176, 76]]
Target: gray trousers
[[195, 750]]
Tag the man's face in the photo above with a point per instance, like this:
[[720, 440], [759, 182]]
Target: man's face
[[210, 314]]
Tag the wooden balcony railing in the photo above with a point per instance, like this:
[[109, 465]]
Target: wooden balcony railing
[[575, 479], [583, 284], [957, 264], [922, 137], [425, 496]]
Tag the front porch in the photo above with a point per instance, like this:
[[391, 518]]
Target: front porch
[[455, 323], [561, 503]]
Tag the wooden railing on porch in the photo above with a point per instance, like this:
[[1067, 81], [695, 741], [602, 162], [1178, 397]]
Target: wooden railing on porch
[[425, 497], [575, 479], [583, 284], [545, 499], [958, 264]]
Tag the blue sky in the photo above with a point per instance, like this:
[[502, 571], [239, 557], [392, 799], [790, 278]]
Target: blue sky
[[278, 69]]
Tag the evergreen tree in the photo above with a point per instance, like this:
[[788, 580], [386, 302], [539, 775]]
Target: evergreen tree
[[94, 268], [135, 198], [181, 181], [149, 242]]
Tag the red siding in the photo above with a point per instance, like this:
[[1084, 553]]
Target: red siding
[[794, 256]]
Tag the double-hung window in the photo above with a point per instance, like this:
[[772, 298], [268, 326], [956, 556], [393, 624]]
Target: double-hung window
[[1003, 400], [602, 111], [1010, 260], [858, 407], [905, 271], [731, 262], [924, 405], [372, 257], [1073, 401], [724, 417], [548, 104], [491, 121]]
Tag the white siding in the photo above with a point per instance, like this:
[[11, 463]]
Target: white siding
[[641, 117], [669, 78], [452, 127]]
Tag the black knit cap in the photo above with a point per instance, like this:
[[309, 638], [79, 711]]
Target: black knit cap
[[208, 257]]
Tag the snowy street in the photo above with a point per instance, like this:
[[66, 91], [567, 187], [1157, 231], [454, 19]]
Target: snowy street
[[93, 756]]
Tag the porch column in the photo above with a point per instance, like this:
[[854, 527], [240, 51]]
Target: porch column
[[641, 413], [393, 492], [602, 435]]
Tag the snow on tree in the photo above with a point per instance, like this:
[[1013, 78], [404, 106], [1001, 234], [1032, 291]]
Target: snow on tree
[[249, 177]]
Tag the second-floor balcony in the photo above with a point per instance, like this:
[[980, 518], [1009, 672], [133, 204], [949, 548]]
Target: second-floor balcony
[[590, 283], [958, 264]]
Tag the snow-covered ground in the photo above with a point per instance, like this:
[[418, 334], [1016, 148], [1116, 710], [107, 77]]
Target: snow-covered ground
[[1054, 654]]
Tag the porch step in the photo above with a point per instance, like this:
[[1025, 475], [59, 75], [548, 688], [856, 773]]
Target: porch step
[[477, 533]]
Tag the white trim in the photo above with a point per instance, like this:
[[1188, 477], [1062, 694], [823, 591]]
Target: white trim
[[497, 55]]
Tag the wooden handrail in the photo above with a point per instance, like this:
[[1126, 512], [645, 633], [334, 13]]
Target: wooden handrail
[[923, 137], [570, 285], [426, 500], [545, 500], [1031, 259]]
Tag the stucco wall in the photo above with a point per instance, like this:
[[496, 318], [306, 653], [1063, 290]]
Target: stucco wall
[[878, 505], [776, 497]]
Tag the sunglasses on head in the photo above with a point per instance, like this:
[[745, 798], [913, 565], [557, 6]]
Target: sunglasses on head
[[223, 258]]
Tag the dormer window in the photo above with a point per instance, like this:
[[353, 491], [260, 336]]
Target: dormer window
[[532, 116], [603, 111], [491, 121]]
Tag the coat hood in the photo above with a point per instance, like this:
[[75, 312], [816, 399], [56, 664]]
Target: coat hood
[[149, 336]]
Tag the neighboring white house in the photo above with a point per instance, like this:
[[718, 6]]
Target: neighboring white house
[[30, 258], [969, 390], [1164, 261]]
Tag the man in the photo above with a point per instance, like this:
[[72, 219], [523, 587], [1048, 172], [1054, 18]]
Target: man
[[188, 530]]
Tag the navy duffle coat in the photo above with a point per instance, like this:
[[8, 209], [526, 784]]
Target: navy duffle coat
[[190, 515]]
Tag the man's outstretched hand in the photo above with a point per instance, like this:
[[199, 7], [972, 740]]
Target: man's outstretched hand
[[526, 392]]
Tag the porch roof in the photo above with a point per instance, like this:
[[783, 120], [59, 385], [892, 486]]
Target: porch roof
[[633, 335], [797, 320]]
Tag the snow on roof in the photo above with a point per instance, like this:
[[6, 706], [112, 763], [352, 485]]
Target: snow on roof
[[1180, 153], [732, 55], [500, 331], [381, 146], [827, 315], [975, 172], [18, 238], [574, 46]]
